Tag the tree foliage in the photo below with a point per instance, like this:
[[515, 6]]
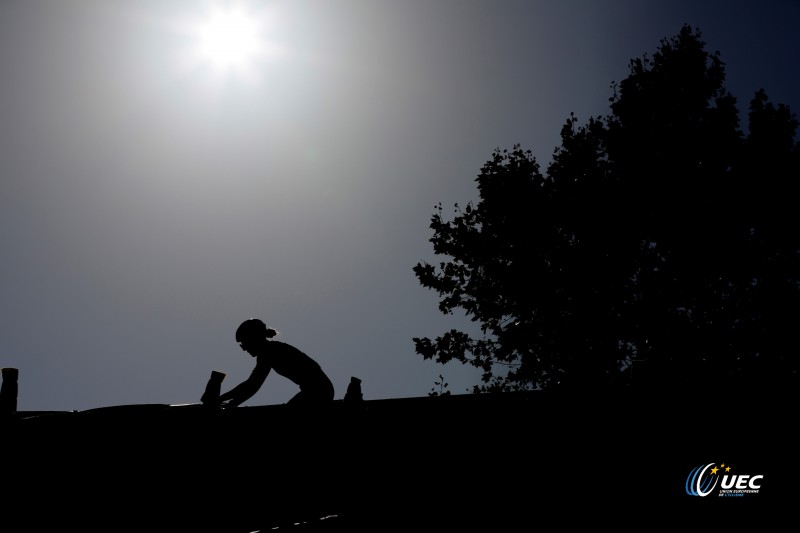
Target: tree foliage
[[659, 247]]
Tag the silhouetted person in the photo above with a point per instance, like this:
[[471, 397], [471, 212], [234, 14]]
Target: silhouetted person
[[254, 338]]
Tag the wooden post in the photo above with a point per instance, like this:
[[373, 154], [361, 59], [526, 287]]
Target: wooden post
[[354, 391], [210, 397], [8, 391]]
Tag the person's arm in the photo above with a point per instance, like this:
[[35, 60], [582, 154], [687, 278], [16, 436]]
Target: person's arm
[[247, 388]]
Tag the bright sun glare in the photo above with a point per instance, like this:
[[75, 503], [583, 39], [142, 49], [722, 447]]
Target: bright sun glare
[[228, 39]]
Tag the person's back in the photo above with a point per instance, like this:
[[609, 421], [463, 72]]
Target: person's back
[[298, 367], [254, 337]]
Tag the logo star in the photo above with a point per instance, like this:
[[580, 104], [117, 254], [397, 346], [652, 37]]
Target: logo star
[[714, 470], [727, 469]]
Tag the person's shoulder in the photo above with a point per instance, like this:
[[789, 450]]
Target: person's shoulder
[[280, 345], [285, 348]]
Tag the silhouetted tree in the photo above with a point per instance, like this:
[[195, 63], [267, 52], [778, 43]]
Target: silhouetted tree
[[660, 247]]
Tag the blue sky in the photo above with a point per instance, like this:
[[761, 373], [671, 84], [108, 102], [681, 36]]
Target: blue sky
[[152, 197]]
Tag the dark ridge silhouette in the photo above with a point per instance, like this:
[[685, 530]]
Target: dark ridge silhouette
[[491, 461]]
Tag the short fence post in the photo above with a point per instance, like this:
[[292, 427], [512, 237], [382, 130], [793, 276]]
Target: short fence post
[[8, 391]]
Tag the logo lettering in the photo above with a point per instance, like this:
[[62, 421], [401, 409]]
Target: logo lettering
[[702, 481]]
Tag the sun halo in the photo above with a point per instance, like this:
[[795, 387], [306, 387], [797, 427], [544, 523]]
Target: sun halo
[[228, 39]]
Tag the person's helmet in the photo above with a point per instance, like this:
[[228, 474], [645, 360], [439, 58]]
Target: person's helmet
[[252, 328]]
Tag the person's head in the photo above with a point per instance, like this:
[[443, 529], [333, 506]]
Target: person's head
[[253, 332]]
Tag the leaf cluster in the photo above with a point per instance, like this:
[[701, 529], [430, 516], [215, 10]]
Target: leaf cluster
[[661, 234]]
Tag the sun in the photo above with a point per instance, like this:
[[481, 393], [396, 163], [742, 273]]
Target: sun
[[229, 44], [228, 39]]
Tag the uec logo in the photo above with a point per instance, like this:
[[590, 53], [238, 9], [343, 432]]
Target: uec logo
[[702, 480]]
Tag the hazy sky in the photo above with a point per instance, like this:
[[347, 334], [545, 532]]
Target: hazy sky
[[154, 194]]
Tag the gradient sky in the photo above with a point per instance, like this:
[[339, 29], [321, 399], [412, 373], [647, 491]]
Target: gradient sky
[[151, 200]]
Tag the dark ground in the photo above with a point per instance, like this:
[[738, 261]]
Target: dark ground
[[451, 463]]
